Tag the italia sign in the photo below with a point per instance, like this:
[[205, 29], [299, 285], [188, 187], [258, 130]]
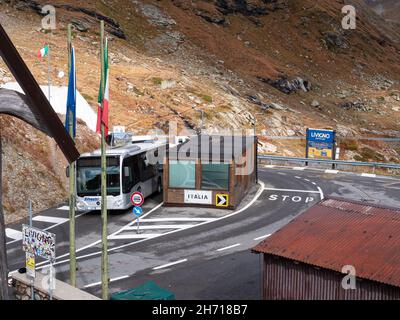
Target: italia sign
[[198, 197]]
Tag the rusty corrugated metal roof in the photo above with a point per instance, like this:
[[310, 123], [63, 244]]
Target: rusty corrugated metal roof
[[338, 232]]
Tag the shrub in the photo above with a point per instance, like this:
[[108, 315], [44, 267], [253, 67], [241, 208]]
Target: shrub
[[157, 81], [349, 145], [206, 98]]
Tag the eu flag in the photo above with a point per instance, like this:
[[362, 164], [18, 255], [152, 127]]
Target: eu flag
[[71, 99]]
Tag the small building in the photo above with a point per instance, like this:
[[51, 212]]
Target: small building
[[312, 257], [210, 171]]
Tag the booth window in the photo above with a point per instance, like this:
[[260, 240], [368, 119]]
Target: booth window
[[182, 174], [215, 176]]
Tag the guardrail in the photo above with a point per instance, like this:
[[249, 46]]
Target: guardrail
[[332, 162]]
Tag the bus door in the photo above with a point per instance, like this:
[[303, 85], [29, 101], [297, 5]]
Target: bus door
[[148, 175], [130, 175]]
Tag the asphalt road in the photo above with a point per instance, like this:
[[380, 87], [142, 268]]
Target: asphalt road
[[210, 260]]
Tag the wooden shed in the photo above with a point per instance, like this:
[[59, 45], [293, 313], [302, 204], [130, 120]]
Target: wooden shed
[[316, 255], [210, 171]]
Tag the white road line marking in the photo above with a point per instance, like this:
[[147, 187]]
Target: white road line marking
[[43, 265], [64, 208], [314, 183], [13, 234], [331, 171], [307, 180], [48, 228], [368, 175], [169, 264], [291, 190], [49, 219], [98, 241], [135, 236], [263, 237], [299, 168], [270, 166], [111, 280], [161, 226], [321, 193], [176, 219], [229, 247], [297, 177]]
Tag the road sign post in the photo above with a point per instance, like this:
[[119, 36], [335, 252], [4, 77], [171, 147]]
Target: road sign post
[[40, 243], [137, 211], [30, 265], [30, 258]]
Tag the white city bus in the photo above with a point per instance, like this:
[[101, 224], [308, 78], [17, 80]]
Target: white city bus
[[136, 166]]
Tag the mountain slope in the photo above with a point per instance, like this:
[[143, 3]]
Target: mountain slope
[[389, 9]]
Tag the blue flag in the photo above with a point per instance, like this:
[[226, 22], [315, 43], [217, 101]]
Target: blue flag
[[71, 99]]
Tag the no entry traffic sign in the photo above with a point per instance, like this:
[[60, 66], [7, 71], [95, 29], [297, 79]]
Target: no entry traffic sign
[[137, 199]]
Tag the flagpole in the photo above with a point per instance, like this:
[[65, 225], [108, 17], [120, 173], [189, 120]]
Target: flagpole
[[104, 247], [49, 71], [72, 199]]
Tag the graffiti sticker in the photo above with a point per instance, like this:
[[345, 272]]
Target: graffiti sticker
[[39, 243]]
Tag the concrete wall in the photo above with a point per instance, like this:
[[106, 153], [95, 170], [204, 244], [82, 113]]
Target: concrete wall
[[62, 291]]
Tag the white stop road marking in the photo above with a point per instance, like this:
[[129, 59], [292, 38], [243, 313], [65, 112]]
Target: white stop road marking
[[287, 198]]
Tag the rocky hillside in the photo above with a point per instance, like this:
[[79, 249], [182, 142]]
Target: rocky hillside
[[389, 9], [284, 65]]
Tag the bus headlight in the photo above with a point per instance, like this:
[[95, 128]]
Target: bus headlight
[[81, 205]]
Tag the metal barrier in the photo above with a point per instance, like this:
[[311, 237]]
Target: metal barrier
[[331, 162]]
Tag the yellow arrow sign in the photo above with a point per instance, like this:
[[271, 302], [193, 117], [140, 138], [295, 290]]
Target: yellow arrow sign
[[222, 200]]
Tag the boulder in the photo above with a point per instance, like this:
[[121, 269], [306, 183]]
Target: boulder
[[288, 86], [256, 100], [82, 26], [315, 104], [212, 17], [276, 106], [334, 41], [356, 105]]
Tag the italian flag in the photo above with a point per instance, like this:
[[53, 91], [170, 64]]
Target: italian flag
[[102, 114], [43, 52]]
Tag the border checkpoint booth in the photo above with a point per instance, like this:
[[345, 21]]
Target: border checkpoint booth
[[214, 171]]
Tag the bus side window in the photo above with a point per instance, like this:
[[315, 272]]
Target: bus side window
[[148, 170], [136, 170], [128, 174]]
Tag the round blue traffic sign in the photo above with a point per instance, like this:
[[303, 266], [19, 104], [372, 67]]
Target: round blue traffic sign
[[137, 211]]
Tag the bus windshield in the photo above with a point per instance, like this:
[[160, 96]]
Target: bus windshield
[[89, 177]]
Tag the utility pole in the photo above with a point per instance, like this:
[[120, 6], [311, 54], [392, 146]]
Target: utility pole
[[104, 244], [3, 248], [72, 250]]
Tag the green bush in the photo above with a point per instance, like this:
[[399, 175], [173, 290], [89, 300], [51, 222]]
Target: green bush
[[381, 99], [349, 145], [207, 98], [157, 81]]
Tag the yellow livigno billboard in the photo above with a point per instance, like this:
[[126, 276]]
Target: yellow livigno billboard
[[320, 144]]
